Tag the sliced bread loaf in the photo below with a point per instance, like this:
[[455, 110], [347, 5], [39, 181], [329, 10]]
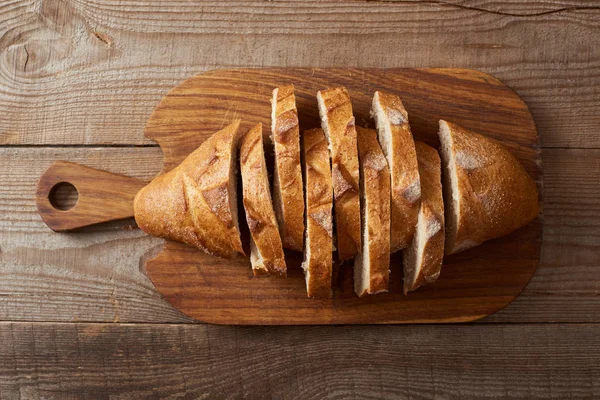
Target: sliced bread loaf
[[487, 192], [337, 121], [423, 258], [318, 240], [398, 146], [288, 196], [266, 251], [372, 263], [196, 202]]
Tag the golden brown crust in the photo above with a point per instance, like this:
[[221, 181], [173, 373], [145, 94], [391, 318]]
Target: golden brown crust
[[288, 195], [319, 220], [423, 259], [266, 252], [495, 195], [392, 121], [337, 121], [191, 203], [373, 261]]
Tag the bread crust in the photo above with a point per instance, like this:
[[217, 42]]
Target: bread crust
[[318, 250], [288, 195], [395, 137], [372, 263], [266, 251], [495, 194], [423, 258], [337, 121], [193, 203]]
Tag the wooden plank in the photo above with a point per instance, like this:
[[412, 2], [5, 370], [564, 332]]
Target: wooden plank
[[564, 287], [104, 361], [95, 275], [90, 275], [92, 72]]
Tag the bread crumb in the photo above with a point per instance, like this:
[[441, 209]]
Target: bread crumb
[[413, 192], [323, 218], [396, 117], [433, 227]]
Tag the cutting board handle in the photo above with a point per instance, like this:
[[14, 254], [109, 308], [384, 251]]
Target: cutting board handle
[[103, 196]]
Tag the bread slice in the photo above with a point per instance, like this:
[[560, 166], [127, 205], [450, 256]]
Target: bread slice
[[288, 195], [372, 263], [423, 259], [318, 240], [337, 121], [266, 252], [397, 143], [196, 203], [487, 192]]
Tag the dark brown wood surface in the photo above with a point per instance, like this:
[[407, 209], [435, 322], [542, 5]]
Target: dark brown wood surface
[[80, 79]]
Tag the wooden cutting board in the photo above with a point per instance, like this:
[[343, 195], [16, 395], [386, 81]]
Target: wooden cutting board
[[472, 284]]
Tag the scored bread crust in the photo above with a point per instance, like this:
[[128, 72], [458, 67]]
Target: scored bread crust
[[423, 258], [288, 195], [337, 121], [266, 252], [318, 241], [372, 263], [397, 143], [196, 203], [487, 192]]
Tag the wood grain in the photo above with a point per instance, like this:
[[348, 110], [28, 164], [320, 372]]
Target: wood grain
[[473, 284], [92, 275], [570, 260], [102, 196], [214, 290], [95, 275], [75, 72], [90, 72], [193, 361]]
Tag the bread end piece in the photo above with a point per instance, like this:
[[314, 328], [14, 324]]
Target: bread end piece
[[487, 192], [422, 260], [337, 121], [196, 202], [371, 264], [266, 251], [396, 140], [318, 240], [288, 195]]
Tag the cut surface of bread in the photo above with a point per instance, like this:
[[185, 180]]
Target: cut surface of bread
[[372, 263], [318, 240], [196, 203], [487, 192], [423, 258], [396, 140], [266, 252], [288, 195], [337, 121]]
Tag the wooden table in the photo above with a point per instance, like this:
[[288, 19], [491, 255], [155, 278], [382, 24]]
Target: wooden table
[[78, 79]]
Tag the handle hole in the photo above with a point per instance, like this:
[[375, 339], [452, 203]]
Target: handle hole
[[63, 196]]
